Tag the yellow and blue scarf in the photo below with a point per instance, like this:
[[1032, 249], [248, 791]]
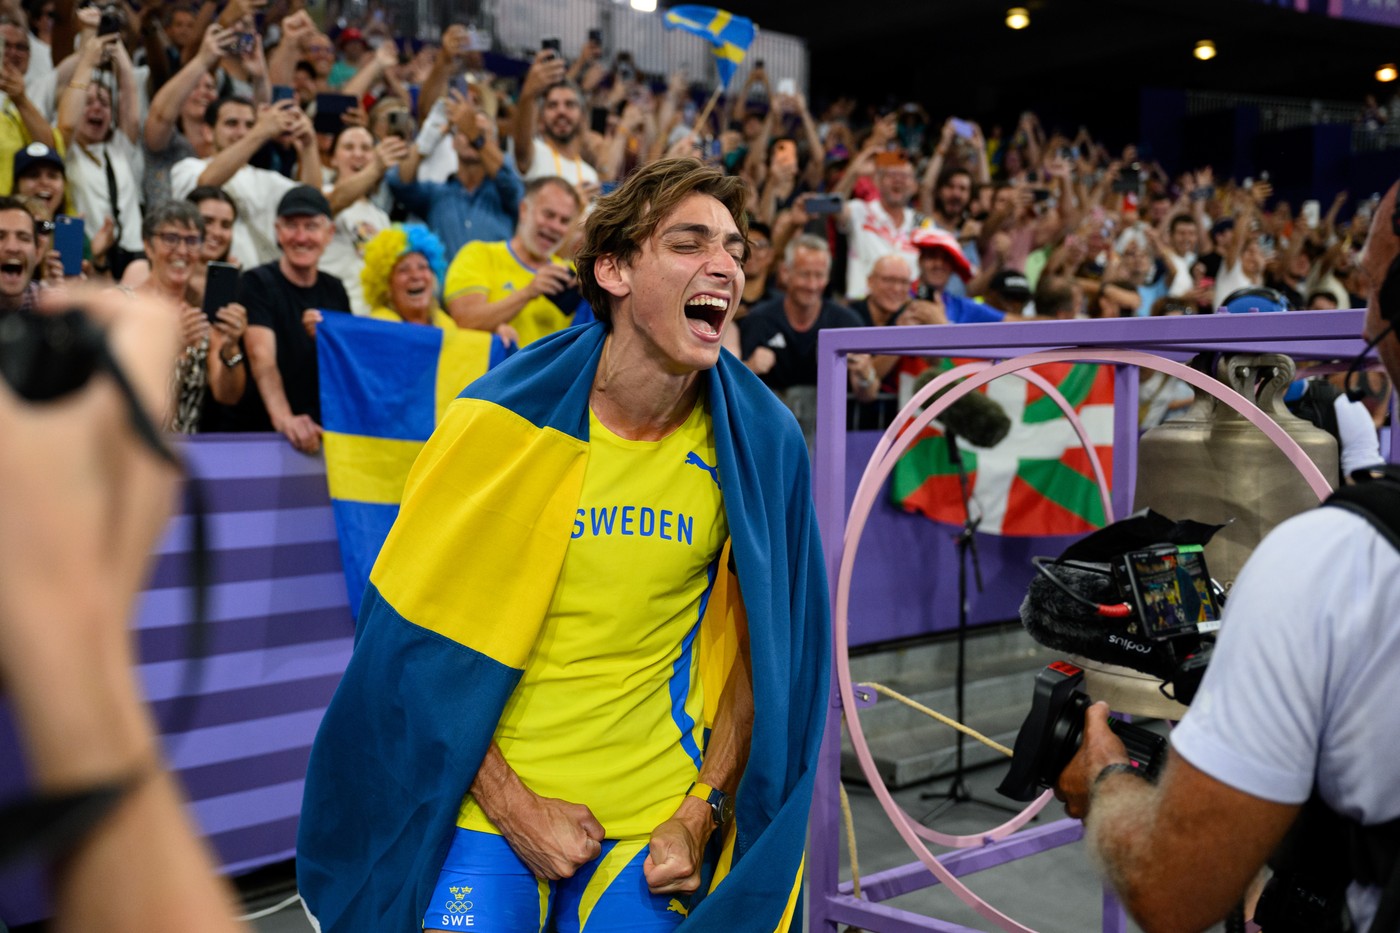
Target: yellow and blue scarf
[[459, 592]]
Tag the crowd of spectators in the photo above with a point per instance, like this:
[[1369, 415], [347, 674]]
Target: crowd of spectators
[[182, 134]]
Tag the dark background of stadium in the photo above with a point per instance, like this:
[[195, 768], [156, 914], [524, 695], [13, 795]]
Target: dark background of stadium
[[1079, 59]]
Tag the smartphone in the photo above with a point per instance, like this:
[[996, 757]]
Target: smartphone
[[220, 287], [787, 87], [68, 240], [330, 111], [244, 45], [401, 124], [1129, 180], [111, 21], [550, 45], [568, 300], [282, 92], [598, 119], [595, 36], [962, 128], [1041, 194], [819, 205]]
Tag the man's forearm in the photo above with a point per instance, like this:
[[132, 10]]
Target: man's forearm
[[524, 131], [309, 164], [274, 396], [470, 312], [34, 122], [728, 750], [224, 165], [497, 788]]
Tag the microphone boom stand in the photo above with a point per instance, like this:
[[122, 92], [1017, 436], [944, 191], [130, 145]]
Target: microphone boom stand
[[966, 541]]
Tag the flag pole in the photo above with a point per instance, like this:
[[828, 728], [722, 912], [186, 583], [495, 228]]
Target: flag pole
[[705, 113]]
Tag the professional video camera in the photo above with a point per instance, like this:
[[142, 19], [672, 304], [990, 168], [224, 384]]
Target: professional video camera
[[1136, 594]]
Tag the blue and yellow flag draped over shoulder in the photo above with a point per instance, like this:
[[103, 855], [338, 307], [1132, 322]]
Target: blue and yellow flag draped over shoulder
[[460, 590], [729, 35], [384, 387]]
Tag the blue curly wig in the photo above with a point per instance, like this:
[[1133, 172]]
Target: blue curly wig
[[389, 245]]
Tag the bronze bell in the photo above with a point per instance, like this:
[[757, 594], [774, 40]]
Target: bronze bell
[[1212, 465]]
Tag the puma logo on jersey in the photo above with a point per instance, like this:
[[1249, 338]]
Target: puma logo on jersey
[[694, 459], [678, 907], [777, 342]]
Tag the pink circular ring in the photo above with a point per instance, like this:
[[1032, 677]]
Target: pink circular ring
[[878, 469]]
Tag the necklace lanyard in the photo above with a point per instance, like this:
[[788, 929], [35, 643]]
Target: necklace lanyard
[[559, 166]]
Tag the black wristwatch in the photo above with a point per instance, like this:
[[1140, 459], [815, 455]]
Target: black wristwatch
[[721, 804]]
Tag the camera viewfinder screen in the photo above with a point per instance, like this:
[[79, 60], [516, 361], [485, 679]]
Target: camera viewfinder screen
[[1172, 591]]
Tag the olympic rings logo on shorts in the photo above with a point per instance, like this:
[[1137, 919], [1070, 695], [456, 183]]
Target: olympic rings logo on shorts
[[458, 907]]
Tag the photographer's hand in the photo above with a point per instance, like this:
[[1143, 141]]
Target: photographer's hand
[[1099, 749], [82, 501]]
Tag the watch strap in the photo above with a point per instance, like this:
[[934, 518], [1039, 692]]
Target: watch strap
[[716, 798]]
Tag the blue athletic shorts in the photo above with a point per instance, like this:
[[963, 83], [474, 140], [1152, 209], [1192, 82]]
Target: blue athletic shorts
[[485, 886]]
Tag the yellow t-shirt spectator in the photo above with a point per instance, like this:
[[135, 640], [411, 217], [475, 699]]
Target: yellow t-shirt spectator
[[494, 270]]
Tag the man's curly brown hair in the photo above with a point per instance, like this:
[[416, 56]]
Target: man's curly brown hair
[[624, 220]]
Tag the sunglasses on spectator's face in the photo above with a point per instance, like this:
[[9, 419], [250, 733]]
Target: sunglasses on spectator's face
[[173, 240]]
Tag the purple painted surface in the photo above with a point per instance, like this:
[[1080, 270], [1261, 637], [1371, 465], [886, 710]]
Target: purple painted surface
[[914, 876], [278, 639]]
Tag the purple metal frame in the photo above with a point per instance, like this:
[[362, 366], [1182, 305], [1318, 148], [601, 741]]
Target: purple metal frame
[[1309, 335]]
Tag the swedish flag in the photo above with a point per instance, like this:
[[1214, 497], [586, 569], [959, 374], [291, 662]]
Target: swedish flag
[[384, 387], [730, 35]]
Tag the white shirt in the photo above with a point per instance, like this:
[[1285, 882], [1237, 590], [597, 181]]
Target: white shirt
[[1232, 280], [546, 162], [345, 256], [85, 168], [1301, 689], [872, 235], [256, 192]]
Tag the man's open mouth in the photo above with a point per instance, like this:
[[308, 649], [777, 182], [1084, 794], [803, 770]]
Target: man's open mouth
[[12, 267], [707, 310]]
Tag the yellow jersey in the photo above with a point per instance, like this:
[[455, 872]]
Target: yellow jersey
[[609, 710], [494, 270]]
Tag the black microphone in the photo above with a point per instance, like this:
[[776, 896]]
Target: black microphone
[[1057, 620], [977, 419], [1357, 392]]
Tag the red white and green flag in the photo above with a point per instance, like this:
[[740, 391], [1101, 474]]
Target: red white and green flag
[[1038, 480]]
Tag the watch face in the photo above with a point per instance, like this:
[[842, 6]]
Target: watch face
[[726, 809]]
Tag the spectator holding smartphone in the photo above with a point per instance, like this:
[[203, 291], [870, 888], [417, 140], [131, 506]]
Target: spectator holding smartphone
[[880, 226], [520, 281], [480, 202], [239, 130], [101, 172], [558, 104], [174, 127], [212, 354], [359, 164]]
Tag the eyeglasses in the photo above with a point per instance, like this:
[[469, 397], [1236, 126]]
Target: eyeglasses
[[43, 227], [173, 240]]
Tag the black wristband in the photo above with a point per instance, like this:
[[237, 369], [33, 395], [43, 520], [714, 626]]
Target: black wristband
[[1118, 767]]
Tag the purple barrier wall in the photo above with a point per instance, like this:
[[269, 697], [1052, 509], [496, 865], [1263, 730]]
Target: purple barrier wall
[[279, 637]]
